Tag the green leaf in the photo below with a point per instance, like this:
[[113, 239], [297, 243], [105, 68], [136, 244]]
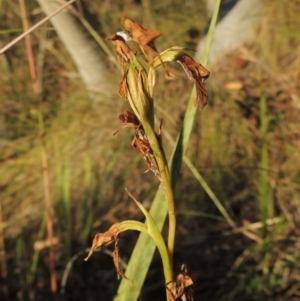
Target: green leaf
[[169, 55]]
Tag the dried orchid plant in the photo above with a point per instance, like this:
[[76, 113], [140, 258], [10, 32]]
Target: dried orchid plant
[[137, 85]]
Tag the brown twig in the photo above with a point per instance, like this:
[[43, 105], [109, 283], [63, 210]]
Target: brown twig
[[20, 37], [45, 168]]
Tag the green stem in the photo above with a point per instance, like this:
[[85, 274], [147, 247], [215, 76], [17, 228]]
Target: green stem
[[157, 238], [166, 184], [132, 225], [139, 97], [263, 189]]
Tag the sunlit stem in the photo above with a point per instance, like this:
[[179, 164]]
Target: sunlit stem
[[158, 240], [140, 90], [166, 184]]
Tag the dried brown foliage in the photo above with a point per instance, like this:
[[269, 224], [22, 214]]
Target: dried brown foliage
[[104, 239], [141, 35], [144, 37], [140, 141], [181, 289], [198, 74], [123, 51]]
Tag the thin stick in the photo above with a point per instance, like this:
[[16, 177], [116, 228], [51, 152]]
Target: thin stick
[[29, 51], [34, 27], [45, 167]]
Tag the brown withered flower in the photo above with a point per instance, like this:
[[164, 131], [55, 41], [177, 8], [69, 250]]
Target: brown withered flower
[[133, 85], [130, 119], [104, 239], [181, 289], [144, 37], [141, 35], [198, 74], [123, 51], [124, 55], [117, 261], [140, 141]]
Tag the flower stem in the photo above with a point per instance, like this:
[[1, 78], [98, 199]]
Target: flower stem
[[157, 238], [166, 184], [140, 98]]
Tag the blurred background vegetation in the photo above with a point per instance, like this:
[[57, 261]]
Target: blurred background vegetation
[[245, 144]]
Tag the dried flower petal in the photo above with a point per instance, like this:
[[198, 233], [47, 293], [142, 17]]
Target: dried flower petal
[[104, 239], [140, 141], [140, 34], [144, 37], [123, 89], [122, 49], [197, 73], [129, 118], [117, 261], [181, 289]]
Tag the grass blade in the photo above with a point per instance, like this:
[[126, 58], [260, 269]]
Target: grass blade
[[265, 206], [263, 189], [209, 191]]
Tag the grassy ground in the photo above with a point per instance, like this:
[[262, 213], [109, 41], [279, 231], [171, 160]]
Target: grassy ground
[[245, 144]]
